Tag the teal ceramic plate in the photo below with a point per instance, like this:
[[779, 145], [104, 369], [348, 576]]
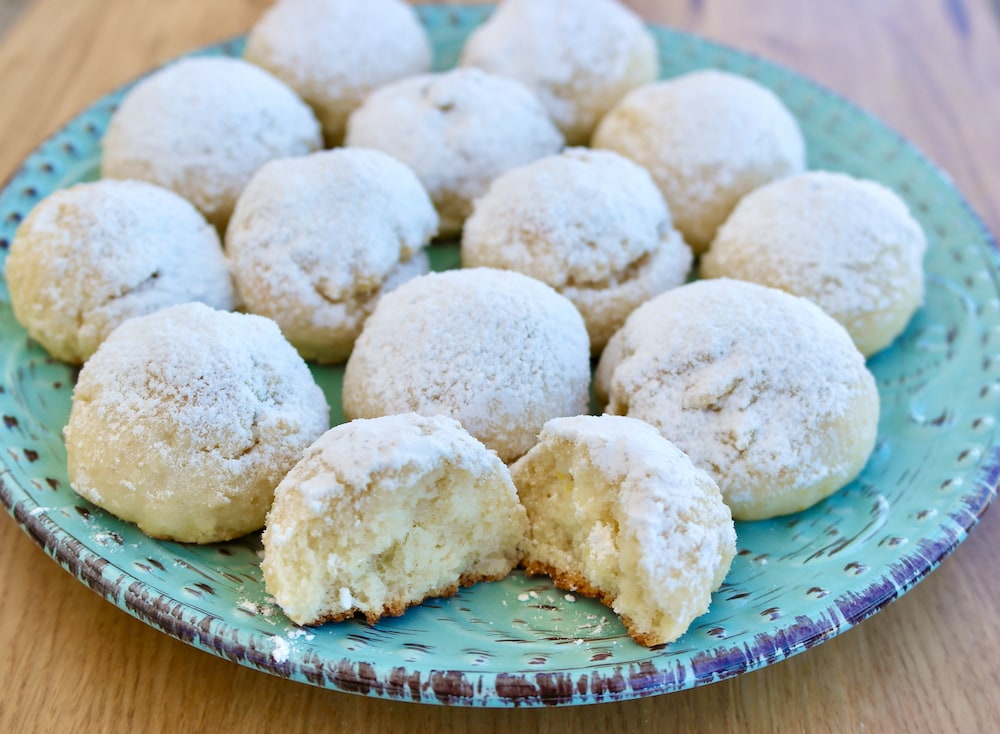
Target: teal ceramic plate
[[796, 581]]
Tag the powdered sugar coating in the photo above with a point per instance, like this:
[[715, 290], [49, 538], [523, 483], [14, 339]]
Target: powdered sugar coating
[[185, 420], [315, 240], [708, 138], [760, 388], [381, 513], [589, 223], [458, 130], [848, 245], [90, 256], [202, 126], [618, 512], [579, 56], [334, 52], [498, 351]]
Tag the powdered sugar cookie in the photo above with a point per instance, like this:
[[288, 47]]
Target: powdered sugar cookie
[[591, 224], [579, 57], [334, 52], [760, 388], [202, 126], [381, 514], [88, 257], [498, 351], [618, 512], [708, 138], [458, 130], [315, 240], [848, 245], [185, 420]]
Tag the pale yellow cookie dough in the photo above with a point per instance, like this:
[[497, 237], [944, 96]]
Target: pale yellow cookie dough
[[381, 514], [618, 512]]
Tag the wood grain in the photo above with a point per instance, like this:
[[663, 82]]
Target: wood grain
[[929, 662]]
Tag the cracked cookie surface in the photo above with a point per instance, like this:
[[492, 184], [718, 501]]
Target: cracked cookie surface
[[458, 130], [185, 420], [315, 240], [92, 255], [761, 389], [590, 223]]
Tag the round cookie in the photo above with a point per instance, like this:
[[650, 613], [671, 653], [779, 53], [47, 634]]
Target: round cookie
[[380, 514], [334, 52], [90, 256], [580, 57], [457, 130], [708, 138], [762, 389], [316, 240], [848, 245], [201, 126], [185, 420], [618, 512], [496, 350], [591, 224]]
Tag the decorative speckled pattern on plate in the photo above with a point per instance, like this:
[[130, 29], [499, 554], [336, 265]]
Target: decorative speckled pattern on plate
[[796, 581]]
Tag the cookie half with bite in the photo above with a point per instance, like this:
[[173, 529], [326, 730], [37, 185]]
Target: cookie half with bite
[[381, 514], [619, 513]]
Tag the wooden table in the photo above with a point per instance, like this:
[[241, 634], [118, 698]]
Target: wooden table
[[930, 662]]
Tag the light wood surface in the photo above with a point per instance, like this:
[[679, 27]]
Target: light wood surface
[[72, 662]]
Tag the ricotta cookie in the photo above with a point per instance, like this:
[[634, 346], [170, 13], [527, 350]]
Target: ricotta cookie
[[591, 224], [381, 514], [762, 389], [334, 52], [90, 256], [579, 57], [498, 351], [619, 513], [185, 420], [316, 240], [202, 126], [457, 130], [848, 245], [708, 138]]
